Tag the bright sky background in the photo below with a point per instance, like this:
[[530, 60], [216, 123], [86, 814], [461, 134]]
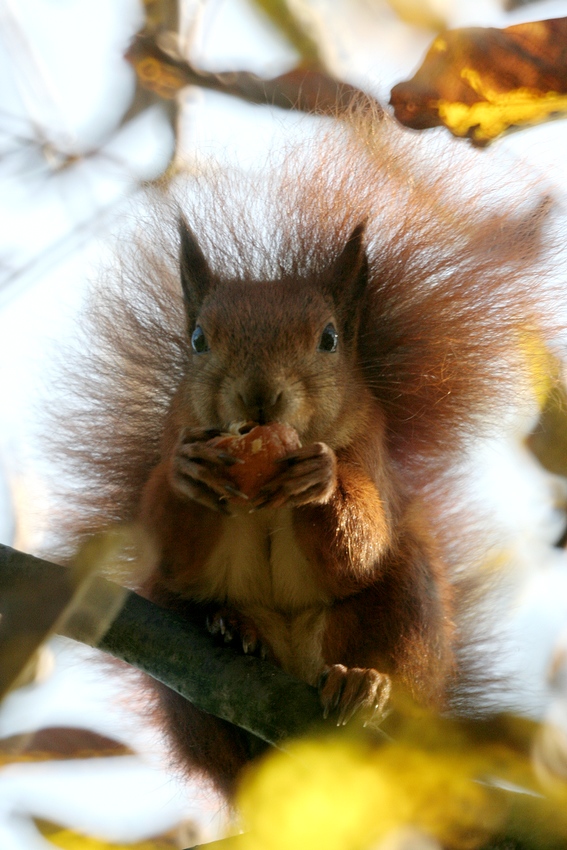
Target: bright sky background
[[65, 82]]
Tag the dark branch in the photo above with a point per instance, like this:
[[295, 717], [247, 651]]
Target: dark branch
[[303, 89], [38, 597]]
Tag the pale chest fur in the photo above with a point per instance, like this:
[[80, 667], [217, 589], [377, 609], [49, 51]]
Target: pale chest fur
[[258, 568]]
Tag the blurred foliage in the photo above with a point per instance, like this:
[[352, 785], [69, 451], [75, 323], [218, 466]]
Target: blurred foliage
[[29, 613], [481, 82], [67, 839], [161, 15], [478, 82], [548, 440], [59, 742], [462, 783], [295, 28], [542, 367], [165, 74], [35, 605], [429, 14]]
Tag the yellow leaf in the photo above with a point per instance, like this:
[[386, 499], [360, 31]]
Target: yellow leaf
[[489, 118], [66, 839], [548, 440], [430, 14], [337, 795], [461, 783], [543, 369]]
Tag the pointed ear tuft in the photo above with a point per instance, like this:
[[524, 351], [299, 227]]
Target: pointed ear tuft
[[196, 275], [348, 276], [353, 253]]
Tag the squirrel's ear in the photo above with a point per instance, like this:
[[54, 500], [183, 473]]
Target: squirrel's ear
[[196, 276], [348, 277]]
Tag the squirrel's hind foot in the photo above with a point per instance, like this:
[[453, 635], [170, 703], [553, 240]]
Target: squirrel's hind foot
[[353, 691]]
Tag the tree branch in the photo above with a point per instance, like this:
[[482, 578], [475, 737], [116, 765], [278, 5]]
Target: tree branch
[[38, 598], [303, 89]]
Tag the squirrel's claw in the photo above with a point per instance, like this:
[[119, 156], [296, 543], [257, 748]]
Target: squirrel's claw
[[309, 475], [197, 471], [353, 691], [235, 627]]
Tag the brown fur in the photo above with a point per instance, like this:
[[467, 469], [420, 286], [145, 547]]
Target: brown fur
[[430, 315]]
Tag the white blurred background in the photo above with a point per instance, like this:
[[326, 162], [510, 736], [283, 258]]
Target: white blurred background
[[67, 173]]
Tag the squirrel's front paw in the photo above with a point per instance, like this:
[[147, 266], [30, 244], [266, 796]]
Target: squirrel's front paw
[[353, 690], [197, 470], [309, 475], [234, 627]]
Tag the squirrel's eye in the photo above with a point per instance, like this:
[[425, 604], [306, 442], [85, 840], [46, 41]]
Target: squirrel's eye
[[329, 339], [199, 340]]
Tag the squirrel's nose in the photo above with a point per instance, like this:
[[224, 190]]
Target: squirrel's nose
[[261, 405]]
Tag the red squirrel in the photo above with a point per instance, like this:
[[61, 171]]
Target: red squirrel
[[367, 305]]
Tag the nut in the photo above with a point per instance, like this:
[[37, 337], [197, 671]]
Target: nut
[[259, 447]]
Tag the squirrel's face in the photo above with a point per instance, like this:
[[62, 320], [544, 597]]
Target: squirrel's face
[[271, 351], [275, 351]]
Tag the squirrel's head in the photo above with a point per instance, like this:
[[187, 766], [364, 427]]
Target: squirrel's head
[[276, 350]]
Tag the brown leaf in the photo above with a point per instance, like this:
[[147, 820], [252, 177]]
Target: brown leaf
[[480, 82], [59, 742]]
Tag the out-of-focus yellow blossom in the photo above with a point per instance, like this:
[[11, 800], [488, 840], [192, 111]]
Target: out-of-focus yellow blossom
[[457, 786]]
